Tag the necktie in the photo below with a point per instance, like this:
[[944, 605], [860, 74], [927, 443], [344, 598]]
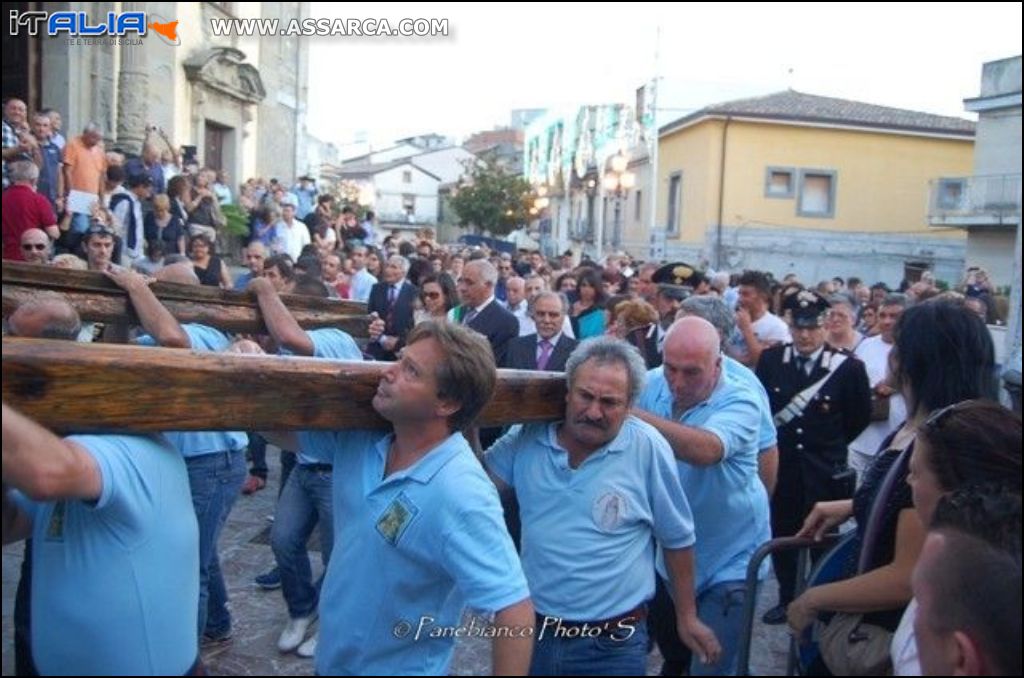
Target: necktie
[[802, 363], [392, 295], [545, 354], [468, 318]]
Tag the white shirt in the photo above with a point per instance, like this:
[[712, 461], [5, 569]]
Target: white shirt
[[771, 328], [903, 648], [522, 315], [292, 238], [362, 282], [528, 327], [875, 355], [121, 212]]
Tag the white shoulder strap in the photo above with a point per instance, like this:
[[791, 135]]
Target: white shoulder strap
[[799, 403]]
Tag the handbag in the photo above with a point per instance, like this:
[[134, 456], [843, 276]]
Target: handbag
[[879, 408], [849, 647]]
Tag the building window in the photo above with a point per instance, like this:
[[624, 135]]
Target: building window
[[817, 194], [675, 203], [638, 211], [778, 182], [409, 202], [951, 193], [407, 177]]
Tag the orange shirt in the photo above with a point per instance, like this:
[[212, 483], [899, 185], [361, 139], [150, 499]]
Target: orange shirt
[[86, 165]]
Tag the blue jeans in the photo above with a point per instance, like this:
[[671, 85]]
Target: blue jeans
[[619, 653], [215, 481], [80, 222], [721, 609], [306, 498]]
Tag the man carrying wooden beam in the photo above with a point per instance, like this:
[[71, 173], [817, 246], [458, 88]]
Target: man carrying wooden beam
[[305, 497], [422, 533], [103, 511], [215, 459], [600, 487]]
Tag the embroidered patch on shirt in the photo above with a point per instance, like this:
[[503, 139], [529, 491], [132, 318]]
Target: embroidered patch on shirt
[[609, 511], [396, 518], [55, 530]]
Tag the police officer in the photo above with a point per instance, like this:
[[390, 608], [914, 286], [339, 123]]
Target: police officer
[[674, 283], [821, 400]]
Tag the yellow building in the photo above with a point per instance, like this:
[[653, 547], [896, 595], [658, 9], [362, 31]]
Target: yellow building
[[792, 182]]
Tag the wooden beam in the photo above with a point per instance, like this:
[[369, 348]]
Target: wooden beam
[[73, 387], [99, 299]]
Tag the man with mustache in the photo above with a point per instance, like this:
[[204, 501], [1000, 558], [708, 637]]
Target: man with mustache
[[597, 492]]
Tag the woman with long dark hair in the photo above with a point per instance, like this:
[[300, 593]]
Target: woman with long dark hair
[[971, 443], [587, 312], [943, 354]]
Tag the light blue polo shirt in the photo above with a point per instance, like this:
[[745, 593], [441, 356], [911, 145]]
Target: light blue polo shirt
[[115, 582], [200, 337], [589, 533], [191, 444], [410, 552], [730, 504], [332, 344], [768, 436]]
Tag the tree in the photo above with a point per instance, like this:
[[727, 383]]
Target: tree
[[493, 199]]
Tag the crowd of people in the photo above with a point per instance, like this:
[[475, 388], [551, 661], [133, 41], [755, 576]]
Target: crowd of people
[[705, 414]]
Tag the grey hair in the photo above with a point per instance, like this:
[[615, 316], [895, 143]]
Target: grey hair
[[714, 310], [488, 272], [606, 350], [23, 170], [549, 295], [92, 127], [843, 300], [62, 320], [895, 299], [399, 261]]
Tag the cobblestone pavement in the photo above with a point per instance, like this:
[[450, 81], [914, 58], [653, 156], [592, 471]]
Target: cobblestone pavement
[[260, 615]]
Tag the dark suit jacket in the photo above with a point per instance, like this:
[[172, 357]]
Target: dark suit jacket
[[497, 324], [397, 321], [522, 353]]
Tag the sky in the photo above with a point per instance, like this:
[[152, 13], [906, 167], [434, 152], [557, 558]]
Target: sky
[[923, 57]]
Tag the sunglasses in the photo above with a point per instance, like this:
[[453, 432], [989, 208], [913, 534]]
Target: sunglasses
[[39, 247], [937, 418], [430, 295]]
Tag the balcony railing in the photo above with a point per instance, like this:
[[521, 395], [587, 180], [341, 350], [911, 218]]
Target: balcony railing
[[974, 201]]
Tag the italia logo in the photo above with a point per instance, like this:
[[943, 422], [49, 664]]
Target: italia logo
[[79, 25]]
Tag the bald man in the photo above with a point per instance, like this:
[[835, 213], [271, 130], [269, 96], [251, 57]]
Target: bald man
[[35, 246], [712, 423]]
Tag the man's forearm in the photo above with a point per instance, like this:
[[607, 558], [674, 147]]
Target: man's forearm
[[282, 326], [44, 466], [679, 563], [513, 649], [692, 445], [157, 320]]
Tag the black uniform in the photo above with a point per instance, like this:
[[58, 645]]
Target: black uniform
[[813, 445]]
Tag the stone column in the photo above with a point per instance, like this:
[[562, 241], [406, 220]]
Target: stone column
[[132, 92]]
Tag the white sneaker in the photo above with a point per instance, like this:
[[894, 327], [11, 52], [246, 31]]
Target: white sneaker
[[294, 633], [308, 648]]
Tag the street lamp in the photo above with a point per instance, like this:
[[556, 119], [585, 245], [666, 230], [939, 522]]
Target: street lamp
[[618, 181]]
